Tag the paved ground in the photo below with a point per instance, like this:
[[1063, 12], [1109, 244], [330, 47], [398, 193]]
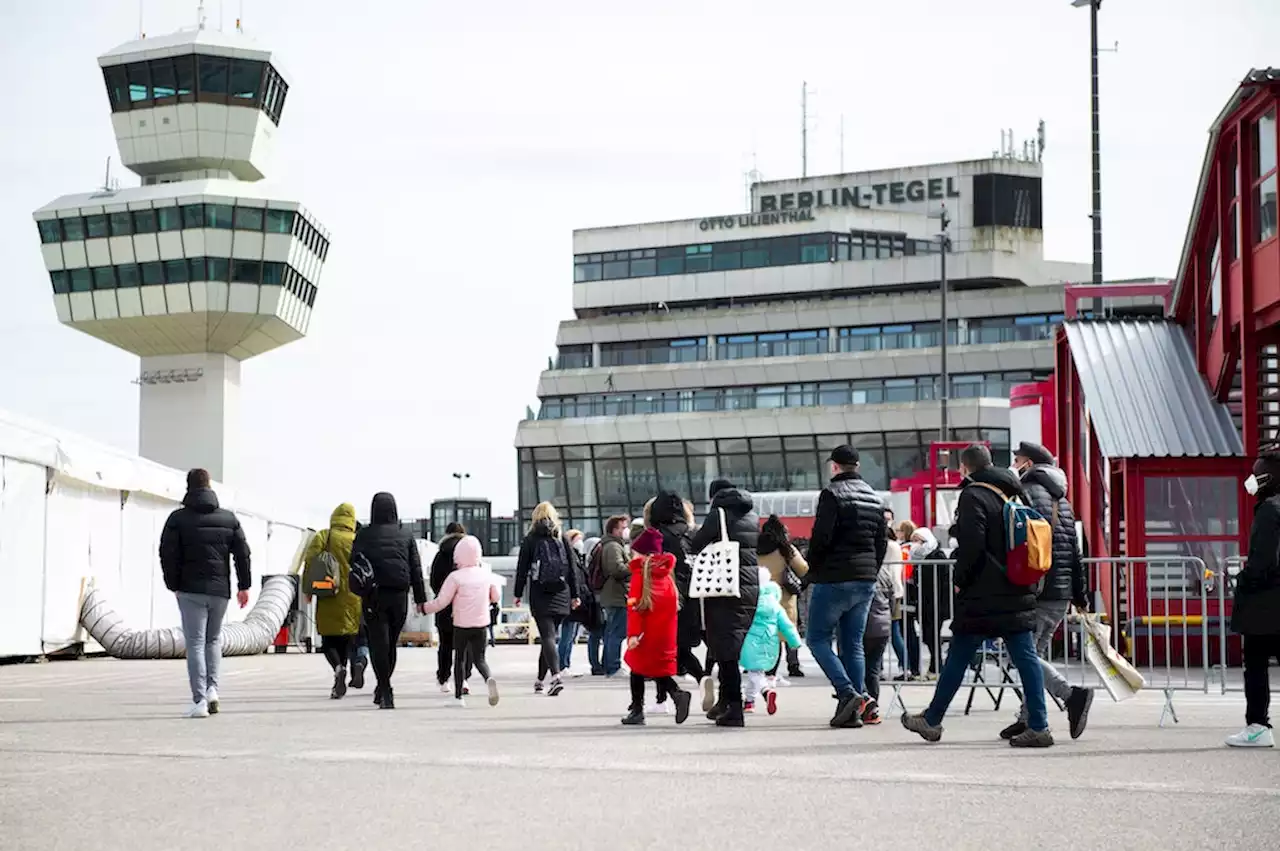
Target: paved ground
[[93, 755]]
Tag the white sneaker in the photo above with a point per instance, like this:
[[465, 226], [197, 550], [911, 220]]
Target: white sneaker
[[1253, 736], [708, 694], [493, 691], [460, 702], [446, 688], [198, 710], [663, 708], [570, 674], [781, 680], [211, 698]]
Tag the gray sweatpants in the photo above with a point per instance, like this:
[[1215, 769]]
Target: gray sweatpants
[[202, 616], [1049, 613]]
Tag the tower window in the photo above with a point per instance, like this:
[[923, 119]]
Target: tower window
[[213, 78], [246, 79]]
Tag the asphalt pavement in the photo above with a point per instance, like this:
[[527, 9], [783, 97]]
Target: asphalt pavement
[[94, 753]]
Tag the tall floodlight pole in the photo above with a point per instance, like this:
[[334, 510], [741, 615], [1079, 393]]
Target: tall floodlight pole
[[461, 477], [1094, 6]]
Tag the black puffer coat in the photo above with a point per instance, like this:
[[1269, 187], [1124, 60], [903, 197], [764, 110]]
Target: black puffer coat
[[554, 604], [849, 538], [392, 551], [987, 602], [1045, 487], [197, 545], [667, 516], [1256, 608], [727, 618], [441, 566], [930, 590]]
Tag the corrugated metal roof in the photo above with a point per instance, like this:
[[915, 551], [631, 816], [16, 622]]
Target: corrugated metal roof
[[1144, 394]]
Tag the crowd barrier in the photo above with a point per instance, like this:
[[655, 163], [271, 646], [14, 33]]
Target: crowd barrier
[[1157, 608], [1229, 678]]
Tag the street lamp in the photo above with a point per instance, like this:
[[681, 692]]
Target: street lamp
[[1094, 6], [461, 477]]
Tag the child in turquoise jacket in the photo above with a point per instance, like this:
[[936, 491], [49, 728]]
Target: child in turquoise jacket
[[761, 649]]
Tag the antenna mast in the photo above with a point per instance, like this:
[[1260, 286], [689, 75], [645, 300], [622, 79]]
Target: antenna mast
[[200, 18], [842, 143], [804, 128]]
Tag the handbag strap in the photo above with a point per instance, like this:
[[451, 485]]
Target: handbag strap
[[724, 527]]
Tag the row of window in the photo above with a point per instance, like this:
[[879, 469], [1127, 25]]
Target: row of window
[[74, 228], [869, 391], [917, 335], [590, 483], [196, 78], [188, 270], [747, 254]]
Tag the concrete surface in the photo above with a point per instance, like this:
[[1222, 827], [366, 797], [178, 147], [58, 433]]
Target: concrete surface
[[94, 754]]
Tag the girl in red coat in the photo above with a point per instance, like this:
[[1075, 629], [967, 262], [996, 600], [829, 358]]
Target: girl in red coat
[[653, 605]]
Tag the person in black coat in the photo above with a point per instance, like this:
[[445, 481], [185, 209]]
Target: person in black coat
[[929, 590], [393, 554], [668, 517], [987, 604], [1255, 611], [441, 566], [197, 546], [550, 599], [727, 619], [1045, 486]]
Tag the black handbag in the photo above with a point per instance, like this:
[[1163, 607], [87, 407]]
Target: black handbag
[[791, 581]]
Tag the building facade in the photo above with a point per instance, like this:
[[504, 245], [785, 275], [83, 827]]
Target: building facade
[[747, 346]]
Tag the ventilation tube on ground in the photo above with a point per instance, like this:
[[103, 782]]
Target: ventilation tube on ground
[[251, 636]]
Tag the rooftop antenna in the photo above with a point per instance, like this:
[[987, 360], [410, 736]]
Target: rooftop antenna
[[200, 17], [1040, 142], [842, 143], [752, 177], [142, 33], [804, 128], [240, 19]]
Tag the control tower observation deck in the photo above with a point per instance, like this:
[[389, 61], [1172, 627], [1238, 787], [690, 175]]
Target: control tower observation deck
[[201, 266]]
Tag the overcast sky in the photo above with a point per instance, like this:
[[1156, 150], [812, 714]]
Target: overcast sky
[[452, 148]]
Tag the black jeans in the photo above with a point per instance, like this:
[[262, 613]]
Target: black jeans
[[874, 648], [666, 686], [730, 684], [687, 663], [445, 653], [548, 638], [1258, 652], [385, 615], [336, 649], [470, 642]]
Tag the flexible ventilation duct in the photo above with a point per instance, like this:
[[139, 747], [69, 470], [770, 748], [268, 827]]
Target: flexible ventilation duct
[[252, 635]]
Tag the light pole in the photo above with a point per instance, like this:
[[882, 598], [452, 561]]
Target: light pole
[[461, 477], [1094, 6], [944, 242]]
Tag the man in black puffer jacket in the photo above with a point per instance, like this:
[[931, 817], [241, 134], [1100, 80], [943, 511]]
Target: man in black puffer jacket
[[1046, 488], [196, 548], [393, 554], [987, 604], [729, 618], [848, 545]]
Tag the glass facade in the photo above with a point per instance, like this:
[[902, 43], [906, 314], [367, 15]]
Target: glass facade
[[472, 513], [644, 352], [747, 254], [193, 78], [1265, 178], [868, 391], [72, 228], [188, 270], [777, 344], [587, 484]]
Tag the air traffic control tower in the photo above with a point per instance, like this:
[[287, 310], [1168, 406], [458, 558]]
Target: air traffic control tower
[[202, 266]]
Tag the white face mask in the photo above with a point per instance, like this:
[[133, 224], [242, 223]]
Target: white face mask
[[919, 549], [1253, 484]]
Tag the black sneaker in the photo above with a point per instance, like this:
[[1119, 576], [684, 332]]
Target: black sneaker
[[555, 688], [377, 696], [1032, 739], [388, 700], [848, 712], [357, 674], [1078, 709], [917, 724], [682, 699], [635, 718], [1017, 728], [732, 716], [717, 711], [339, 684], [795, 672]]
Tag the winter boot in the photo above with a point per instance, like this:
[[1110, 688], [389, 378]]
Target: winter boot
[[732, 715], [339, 683], [634, 718], [357, 673]]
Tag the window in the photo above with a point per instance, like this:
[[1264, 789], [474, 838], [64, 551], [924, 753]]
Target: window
[[169, 218], [50, 232], [273, 274], [247, 271], [193, 216], [152, 274], [248, 218], [128, 275], [246, 77], [279, 221], [104, 278], [144, 221], [139, 84], [121, 223], [72, 229], [697, 258], [1264, 144], [184, 71], [1263, 197], [117, 87], [61, 281], [1215, 277], [175, 271], [196, 269], [163, 82], [218, 216], [1264, 209], [81, 280], [213, 78]]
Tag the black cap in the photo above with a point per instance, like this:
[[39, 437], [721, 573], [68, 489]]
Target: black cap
[[1034, 452], [845, 455]]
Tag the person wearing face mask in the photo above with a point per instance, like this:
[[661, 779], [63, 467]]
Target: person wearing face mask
[[613, 596], [579, 617], [1255, 612], [987, 604], [1045, 485], [930, 591]]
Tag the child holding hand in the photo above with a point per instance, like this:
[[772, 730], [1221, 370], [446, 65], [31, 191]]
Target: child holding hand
[[653, 605], [470, 589]]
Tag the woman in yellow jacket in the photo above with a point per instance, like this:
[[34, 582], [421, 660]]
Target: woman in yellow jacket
[[338, 617]]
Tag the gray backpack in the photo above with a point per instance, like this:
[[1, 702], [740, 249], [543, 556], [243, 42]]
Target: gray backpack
[[323, 574]]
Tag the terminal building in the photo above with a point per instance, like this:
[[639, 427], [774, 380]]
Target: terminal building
[[748, 345]]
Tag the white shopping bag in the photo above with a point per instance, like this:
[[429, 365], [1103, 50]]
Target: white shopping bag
[[1121, 679], [715, 569]]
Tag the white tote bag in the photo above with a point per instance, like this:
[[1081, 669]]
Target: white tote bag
[[715, 569], [1119, 678]]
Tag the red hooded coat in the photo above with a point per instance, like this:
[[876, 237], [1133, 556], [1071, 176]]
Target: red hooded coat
[[655, 655]]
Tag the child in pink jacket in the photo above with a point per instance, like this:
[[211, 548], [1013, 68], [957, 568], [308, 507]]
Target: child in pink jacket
[[470, 589]]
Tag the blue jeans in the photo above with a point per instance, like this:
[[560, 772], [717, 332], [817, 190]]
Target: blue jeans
[[840, 610], [615, 632], [568, 635], [899, 644], [594, 637], [1022, 651]]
